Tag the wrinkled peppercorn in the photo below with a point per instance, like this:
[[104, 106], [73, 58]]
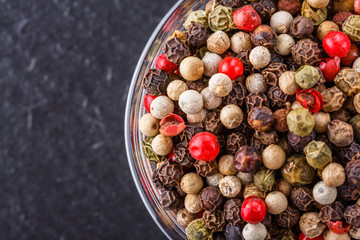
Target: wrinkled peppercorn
[[341, 17], [213, 123], [197, 85], [182, 155], [299, 143], [251, 190], [347, 153], [156, 82], [245, 129], [280, 119], [302, 198], [333, 98], [196, 34], [291, 6], [256, 99], [248, 67], [348, 192], [211, 199], [267, 220], [247, 159], [257, 144], [267, 137], [149, 152], [206, 168], [352, 170], [232, 3], [297, 171], [261, 118], [264, 179], [301, 27], [352, 215], [234, 141], [171, 200], [170, 174], [214, 221], [273, 72], [264, 36], [332, 212], [265, 9], [289, 218], [342, 115], [176, 50], [277, 97], [348, 81], [189, 132], [159, 184], [306, 52], [232, 211], [311, 225], [232, 232], [237, 94]]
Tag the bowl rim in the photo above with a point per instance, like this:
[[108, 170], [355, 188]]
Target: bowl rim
[[127, 130]]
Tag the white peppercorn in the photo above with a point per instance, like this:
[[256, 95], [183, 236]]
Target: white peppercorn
[[281, 21], [324, 194], [273, 157], [175, 89], [190, 102], [162, 145], [318, 3], [333, 175], [191, 183], [226, 165], [213, 180], [322, 119], [231, 116], [210, 100], [197, 117], [276, 202], [230, 186], [256, 83], [325, 28], [191, 68], [357, 102], [161, 106], [220, 85], [240, 42], [287, 83], [259, 57], [211, 63], [354, 232], [329, 235], [149, 125], [254, 231], [184, 217], [356, 65], [245, 178], [283, 44], [218, 42], [192, 203]]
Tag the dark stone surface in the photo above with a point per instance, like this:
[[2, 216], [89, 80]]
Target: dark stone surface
[[65, 68]]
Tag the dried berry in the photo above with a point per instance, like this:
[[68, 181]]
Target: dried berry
[[280, 119], [251, 190], [264, 36], [198, 16], [206, 168], [299, 143], [297, 171], [301, 27], [247, 159], [289, 218], [182, 155], [159, 184], [347, 153], [352, 27], [334, 99], [348, 81], [340, 133], [277, 97], [302, 198], [265, 9], [332, 212], [273, 72], [189, 132], [256, 100], [149, 152], [352, 215], [196, 230], [261, 118], [348, 192], [267, 137], [156, 82], [237, 94], [197, 85], [170, 174], [232, 211], [211, 199], [306, 52], [213, 123], [311, 225], [197, 34], [214, 221], [176, 50], [352, 170], [317, 16], [291, 6], [318, 154], [300, 122], [234, 141], [171, 200], [220, 19], [232, 232], [264, 179], [257, 144]]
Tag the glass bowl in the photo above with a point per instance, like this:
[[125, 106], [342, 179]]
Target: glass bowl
[[140, 167]]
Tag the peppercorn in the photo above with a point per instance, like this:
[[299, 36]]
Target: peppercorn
[[237, 94], [218, 42], [356, 65], [340, 133], [351, 27], [357, 102], [213, 180], [210, 101], [306, 52], [329, 235], [352, 215], [231, 116], [281, 22], [267, 137], [273, 157], [341, 114], [348, 192], [214, 221], [355, 123], [264, 36], [189, 132], [264, 179], [196, 34], [175, 89], [211, 199], [287, 83], [161, 106], [311, 225], [213, 123], [257, 144], [220, 19], [220, 85], [191, 183], [226, 165], [325, 28], [334, 99], [149, 125], [324, 194], [307, 76], [230, 186], [276, 202], [261, 118], [318, 154], [206, 168], [283, 44], [240, 42], [297, 171], [184, 217], [288, 218], [348, 81], [256, 83], [254, 231], [198, 16], [286, 234], [352, 170], [259, 57], [302, 27], [247, 159], [211, 63], [317, 16], [182, 155], [171, 200], [298, 143], [291, 6], [191, 68], [245, 178], [156, 82], [265, 9], [256, 100], [302, 198], [283, 186], [321, 121], [280, 120], [347, 153], [176, 50], [196, 230], [197, 117], [300, 122], [354, 232], [332, 212], [251, 190], [318, 3], [232, 232], [333, 175], [234, 141]]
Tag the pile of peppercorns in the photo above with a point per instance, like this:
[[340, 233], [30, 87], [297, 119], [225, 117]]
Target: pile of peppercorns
[[253, 120]]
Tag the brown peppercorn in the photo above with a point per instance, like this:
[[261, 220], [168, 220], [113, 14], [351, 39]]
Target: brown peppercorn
[[237, 94], [333, 175], [261, 118], [301, 27], [170, 174], [176, 50], [332, 212], [267, 220], [291, 6], [232, 211], [347, 153], [334, 98], [311, 225], [352, 170], [273, 72], [280, 120], [341, 114], [340, 133], [244, 57], [197, 85], [340, 17], [214, 221], [283, 186], [171, 200], [257, 144], [247, 159], [251, 190], [348, 81], [232, 232], [211, 199], [325, 28], [184, 217], [265, 9], [298, 143], [352, 215], [267, 137], [348, 192], [206, 168], [264, 36], [306, 52], [189, 132], [159, 184], [234, 141], [156, 81], [277, 97], [256, 100], [302, 198], [213, 123], [289, 218], [182, 155], [196, 34], [231, 3]]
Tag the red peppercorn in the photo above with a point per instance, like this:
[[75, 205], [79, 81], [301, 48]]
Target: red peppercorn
[[338, 227], [310, 99], [246, 18], [171, 156], [163, 63], [336, 43], [357, 6], [330, 68], [350, 58], [204, 146], [171, 125], [253, 209], [303, 237], [232, 67], [147, 101]]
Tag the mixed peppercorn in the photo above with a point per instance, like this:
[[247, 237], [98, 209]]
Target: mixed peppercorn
[[253, 120]]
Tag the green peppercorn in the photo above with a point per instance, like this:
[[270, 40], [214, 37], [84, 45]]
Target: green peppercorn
[[297, 171], [196, 230], [300, 122], [317, 16], [355, 123], [264, 179], [199, 16], [318, 154], [307, 76], [149, 152], [221, 19]]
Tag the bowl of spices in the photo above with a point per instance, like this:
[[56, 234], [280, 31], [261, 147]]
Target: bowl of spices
[[243, 120]]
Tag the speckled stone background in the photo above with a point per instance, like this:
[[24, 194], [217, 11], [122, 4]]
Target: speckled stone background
[[65, 68]]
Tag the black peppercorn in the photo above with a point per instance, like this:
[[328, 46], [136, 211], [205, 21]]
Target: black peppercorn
[[213, 123], [273, 72], [306, 52], [265, 9], [232, 3], [237, 94], [257, 144], [248, 67], [277, 97], [288, 218], [189, 132], [232, 211], [302, 198], [197, 85], [301, 27], [214, 221], [261, 118], [196, 34], [348, 192], [171, 200], [264, 36], [353, 172], [233, 232], [206, 168], [156, 82], [182, 155], [256, 99], [267, 137], [247, 159], [234, 141], [170, 174], [332, 212], [267, 220], [298, 143], [210, 199], [176, 50], [352, 215], [159, 184], [218, 236]]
